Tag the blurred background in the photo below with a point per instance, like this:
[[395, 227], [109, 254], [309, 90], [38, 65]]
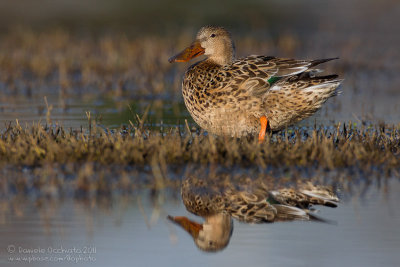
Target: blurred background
[[110, 57]]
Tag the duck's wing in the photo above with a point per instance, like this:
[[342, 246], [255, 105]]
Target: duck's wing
[[288, 67], [254, 75], [249, 207]]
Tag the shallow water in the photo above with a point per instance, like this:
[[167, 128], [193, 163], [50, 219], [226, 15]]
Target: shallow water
[[107, 112], [134, 231]]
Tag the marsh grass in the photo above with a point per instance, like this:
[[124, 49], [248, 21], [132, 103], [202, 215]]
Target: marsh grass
[[340, 147]]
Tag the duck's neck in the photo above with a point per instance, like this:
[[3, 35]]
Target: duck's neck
[[219, 224], [221, 60], [225, 55]]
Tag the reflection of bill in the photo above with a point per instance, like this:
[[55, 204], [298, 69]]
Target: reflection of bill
[[218, 200]]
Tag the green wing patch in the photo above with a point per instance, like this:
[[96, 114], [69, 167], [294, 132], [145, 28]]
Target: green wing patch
[[273, 80]]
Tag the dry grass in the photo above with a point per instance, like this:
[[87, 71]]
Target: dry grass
[[339, 148]]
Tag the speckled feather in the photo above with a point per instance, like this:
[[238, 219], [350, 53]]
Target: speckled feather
[[251, 201], [229, 99]]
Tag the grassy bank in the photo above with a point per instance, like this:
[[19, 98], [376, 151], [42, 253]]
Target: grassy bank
[[135, 145]]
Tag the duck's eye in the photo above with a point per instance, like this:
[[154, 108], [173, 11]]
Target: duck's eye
[[212, 35]]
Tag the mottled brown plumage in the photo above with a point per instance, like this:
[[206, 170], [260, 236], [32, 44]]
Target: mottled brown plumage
[[228, 97], [252, 201], [218, 200]]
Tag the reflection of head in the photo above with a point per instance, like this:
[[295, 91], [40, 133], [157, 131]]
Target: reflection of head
[[211, 236]]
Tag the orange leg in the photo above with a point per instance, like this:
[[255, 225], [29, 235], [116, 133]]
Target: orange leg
[[264, 123]]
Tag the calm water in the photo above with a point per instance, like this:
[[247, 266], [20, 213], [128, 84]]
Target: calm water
[[135, 232], [107, 112]]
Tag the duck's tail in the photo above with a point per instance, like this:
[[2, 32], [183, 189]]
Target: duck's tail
[[304, 197], [320, 61], [292, 204]]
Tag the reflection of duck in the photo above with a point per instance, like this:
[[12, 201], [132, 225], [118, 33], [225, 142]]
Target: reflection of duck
[[236, 98], [251, 202]]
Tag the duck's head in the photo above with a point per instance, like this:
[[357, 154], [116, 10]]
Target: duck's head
[[213, 42], [211, 236]]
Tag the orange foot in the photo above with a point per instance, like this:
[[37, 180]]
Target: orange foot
[[264, 123]]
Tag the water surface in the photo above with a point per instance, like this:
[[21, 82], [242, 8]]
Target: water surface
[[134, 231]]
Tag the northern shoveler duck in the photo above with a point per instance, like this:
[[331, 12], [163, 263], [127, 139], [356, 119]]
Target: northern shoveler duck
[[220, 200], [239, 97]]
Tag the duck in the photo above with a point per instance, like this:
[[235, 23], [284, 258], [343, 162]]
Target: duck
[[248, 96], [221, 199]]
